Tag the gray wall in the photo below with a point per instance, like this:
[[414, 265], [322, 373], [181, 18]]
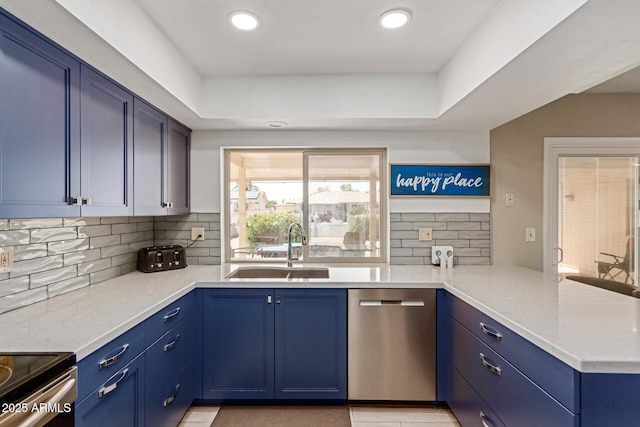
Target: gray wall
[[517, 164]]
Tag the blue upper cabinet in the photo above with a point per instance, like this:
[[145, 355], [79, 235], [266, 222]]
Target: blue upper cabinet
[[178, 170], [39, 125], [150, 133], [161, 163], [106, 159], [67, 138]]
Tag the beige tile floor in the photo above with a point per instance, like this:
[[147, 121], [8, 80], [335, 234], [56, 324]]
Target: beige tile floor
[[361, 416]]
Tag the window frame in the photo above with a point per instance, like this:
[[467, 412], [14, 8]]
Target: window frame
[[306, 152]]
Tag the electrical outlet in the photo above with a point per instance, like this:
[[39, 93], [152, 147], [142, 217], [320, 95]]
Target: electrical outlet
[[435, 250], [425, 234], [197, 233], [6, 259]]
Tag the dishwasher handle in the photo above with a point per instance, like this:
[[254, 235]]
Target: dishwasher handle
[[392, 303]]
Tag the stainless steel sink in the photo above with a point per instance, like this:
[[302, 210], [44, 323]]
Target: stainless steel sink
[[251, 272]]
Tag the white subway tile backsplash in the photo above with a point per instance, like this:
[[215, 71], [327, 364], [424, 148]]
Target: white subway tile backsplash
[[52, 276], [22, 299], [32, 266], [68, 285], [65, 246], [23, 252], [53, 234], [15, 237], [73, 258], [468, 233], [58, 255], [21, 224], [13, 286], [93, 266]]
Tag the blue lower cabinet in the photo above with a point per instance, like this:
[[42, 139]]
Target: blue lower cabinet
[[119, 401], [173, 401], [469, 408], [311, 344], [237, 344], [274, 343]]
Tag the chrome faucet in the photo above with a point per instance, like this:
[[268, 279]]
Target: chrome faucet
[[303, 240]]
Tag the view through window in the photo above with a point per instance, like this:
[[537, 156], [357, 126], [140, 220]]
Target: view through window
[[334, 194]]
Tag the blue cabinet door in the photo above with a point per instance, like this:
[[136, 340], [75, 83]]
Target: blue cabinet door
[[106, 123], [117, 402], [150, 133], [178, 169], [311, 344], [238, 339], [39, 125]]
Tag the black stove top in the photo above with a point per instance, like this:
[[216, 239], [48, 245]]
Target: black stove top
[[23, 373]]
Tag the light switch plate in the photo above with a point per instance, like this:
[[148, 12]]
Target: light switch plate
[[6, 259], [530, 234], [509, 199]]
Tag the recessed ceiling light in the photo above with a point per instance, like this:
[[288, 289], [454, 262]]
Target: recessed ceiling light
[[244, 20], [276, 124], [395, 18]]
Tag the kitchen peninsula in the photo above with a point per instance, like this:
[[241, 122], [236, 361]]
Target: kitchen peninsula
[[557, 319]]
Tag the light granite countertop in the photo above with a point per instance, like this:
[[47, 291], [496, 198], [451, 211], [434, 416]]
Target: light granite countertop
[[590, 329]]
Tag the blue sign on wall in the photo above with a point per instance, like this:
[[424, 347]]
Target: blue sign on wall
[[439, 180]]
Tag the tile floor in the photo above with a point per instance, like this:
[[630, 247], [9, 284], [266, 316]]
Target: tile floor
[[361, 416]]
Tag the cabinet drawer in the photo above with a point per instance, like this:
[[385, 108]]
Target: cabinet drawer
[[173, 401], [513, 397], [555, 377], [467, 406], [117, 401], [165, 319], [167, 356], [96, 368]]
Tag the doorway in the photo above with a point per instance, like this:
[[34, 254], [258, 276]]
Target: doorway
[[592, 207]]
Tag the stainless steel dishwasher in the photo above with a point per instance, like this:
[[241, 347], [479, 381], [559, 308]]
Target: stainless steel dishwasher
[[392, 344]]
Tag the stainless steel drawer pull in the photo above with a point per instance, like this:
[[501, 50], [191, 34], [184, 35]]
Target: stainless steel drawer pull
[[483, 418], [111, 387], [171, 314], [490, 366], [171, 398], [172, 344], [488, 330], [113, 359], [399, 303]]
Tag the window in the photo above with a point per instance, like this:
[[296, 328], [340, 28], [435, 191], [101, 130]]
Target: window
[[335, 194]]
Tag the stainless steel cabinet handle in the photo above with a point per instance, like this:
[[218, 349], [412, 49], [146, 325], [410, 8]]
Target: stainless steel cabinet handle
[[268, 299], [171, 314], [113, 359], [278, 300], [490, 366], [488, 330], [483, 418], [172, 344], [111, 387], [171, 398]]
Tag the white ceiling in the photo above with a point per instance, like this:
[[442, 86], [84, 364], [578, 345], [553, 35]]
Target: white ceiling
[[326, 64], [316, 37]]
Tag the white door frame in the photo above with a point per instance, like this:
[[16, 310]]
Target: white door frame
[[576, 146]]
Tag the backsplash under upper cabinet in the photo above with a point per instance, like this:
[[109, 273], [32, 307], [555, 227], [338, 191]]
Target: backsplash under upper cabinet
[[57, 255]]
